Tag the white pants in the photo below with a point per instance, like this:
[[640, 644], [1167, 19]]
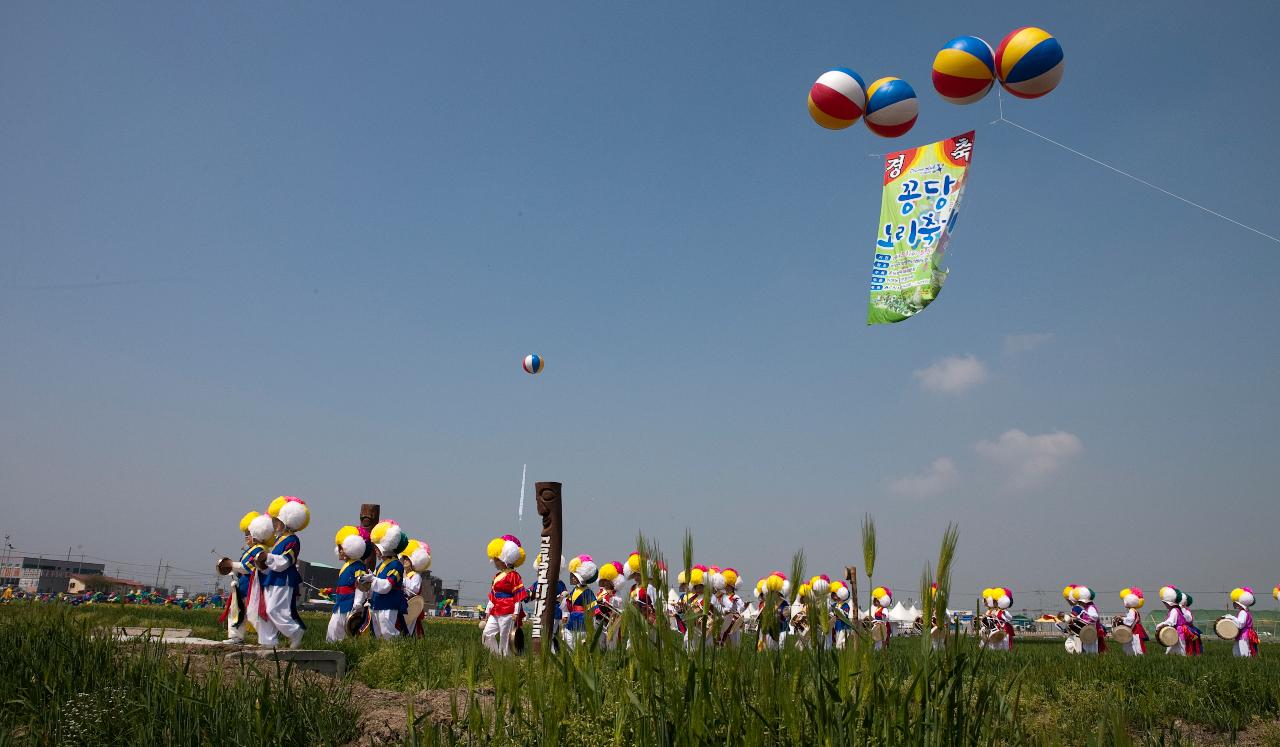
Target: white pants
[[235, 631], [1089, 648], [1240, 647], [337, 627], [384, 623], [842, 636], [1177, 649], [1133, 648], [938, 643], [266, 630], [280, 610], [497, 633], [572, 638]]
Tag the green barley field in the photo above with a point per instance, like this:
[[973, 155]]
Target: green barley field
[[65, 683]]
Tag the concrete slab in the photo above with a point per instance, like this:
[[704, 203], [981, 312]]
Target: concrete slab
[[156, 632], [332, 663]]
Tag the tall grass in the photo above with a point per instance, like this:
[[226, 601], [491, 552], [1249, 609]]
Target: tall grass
[[63, 682]]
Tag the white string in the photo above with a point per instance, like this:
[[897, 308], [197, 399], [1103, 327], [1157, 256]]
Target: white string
[[1122, 172]]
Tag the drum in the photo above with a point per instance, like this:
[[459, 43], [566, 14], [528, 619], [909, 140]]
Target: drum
[[415, 607], [1088, 634], [1122, 635], [1073, 644], [1074, 625], [517, 640], [1227, 628], [997, 635], [224, 566], [358, 620], [1167, 635], [879, 630]]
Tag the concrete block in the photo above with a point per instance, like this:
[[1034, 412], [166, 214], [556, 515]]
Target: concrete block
[[332, 663]]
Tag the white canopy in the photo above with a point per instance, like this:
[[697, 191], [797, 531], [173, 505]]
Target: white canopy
[[900, 614]]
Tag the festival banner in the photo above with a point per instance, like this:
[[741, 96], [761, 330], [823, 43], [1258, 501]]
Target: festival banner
[[918, 211]]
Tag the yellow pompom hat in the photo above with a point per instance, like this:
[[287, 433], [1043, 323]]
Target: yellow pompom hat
[[388, 537], [610, 572], [777, 582], [698, 575], [729, 578], [1243, 596], [419, 553], [1132, 597], [839, 590], [244, 522], [882, 596], [261, 528], [821, 584], [348, 540], [584, 568], [635, 561], [291, 511], [506, 549]]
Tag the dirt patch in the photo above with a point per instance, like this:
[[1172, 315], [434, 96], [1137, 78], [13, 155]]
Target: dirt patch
[[384, 720], [1259, 733]]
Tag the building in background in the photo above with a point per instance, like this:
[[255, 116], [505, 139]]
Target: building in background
[[79, 584], [44, 575]]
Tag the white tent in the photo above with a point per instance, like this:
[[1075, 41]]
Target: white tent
[[914, 612], [900, 614]]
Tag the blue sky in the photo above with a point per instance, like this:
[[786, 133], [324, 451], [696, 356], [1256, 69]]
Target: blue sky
[[254, 249]]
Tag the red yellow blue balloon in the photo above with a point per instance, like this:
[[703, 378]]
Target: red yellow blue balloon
[[1029, 62], [892, 107], [964, 70], [533, 363], [837, 98]]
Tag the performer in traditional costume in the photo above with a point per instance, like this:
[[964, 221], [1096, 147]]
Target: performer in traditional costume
[[1089, 615], [1133, 600], [644, 597], [236, 612], [1002, 600], [843, 613], [608, 607], [350, 548], [696, 603], [289, 516], [1171, 598], [731, 606], [504, 609], [881, 598], [387, 602], [416, 560], [675, 603], [581, 599], [820, 587], [774, 628], [1195, 644], [1246, 643]]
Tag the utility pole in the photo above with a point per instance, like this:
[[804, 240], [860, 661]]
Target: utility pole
[[156, 585]]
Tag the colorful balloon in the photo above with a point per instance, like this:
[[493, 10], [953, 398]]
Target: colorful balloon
[[1029, 62], [533, 363], [837, 98], [892, 107], [964, 70]]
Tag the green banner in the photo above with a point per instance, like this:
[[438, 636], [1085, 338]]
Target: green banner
[[918, 211]]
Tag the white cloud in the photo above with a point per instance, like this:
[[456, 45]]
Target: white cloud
[[952, 375], [935, 480], [1025, 343], [1029, 460]]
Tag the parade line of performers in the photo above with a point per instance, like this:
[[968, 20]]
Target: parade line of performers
[[379, 589]]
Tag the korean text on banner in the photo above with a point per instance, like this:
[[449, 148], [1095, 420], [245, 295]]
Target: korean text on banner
[[918, 211]]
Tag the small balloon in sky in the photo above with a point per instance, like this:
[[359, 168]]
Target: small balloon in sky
[[837, 98], [964, 70], [533, 363], [1029, 62], [892, 107]]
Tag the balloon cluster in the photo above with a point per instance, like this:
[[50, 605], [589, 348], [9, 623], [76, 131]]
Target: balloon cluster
[[839, 97], [1028, 63]]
